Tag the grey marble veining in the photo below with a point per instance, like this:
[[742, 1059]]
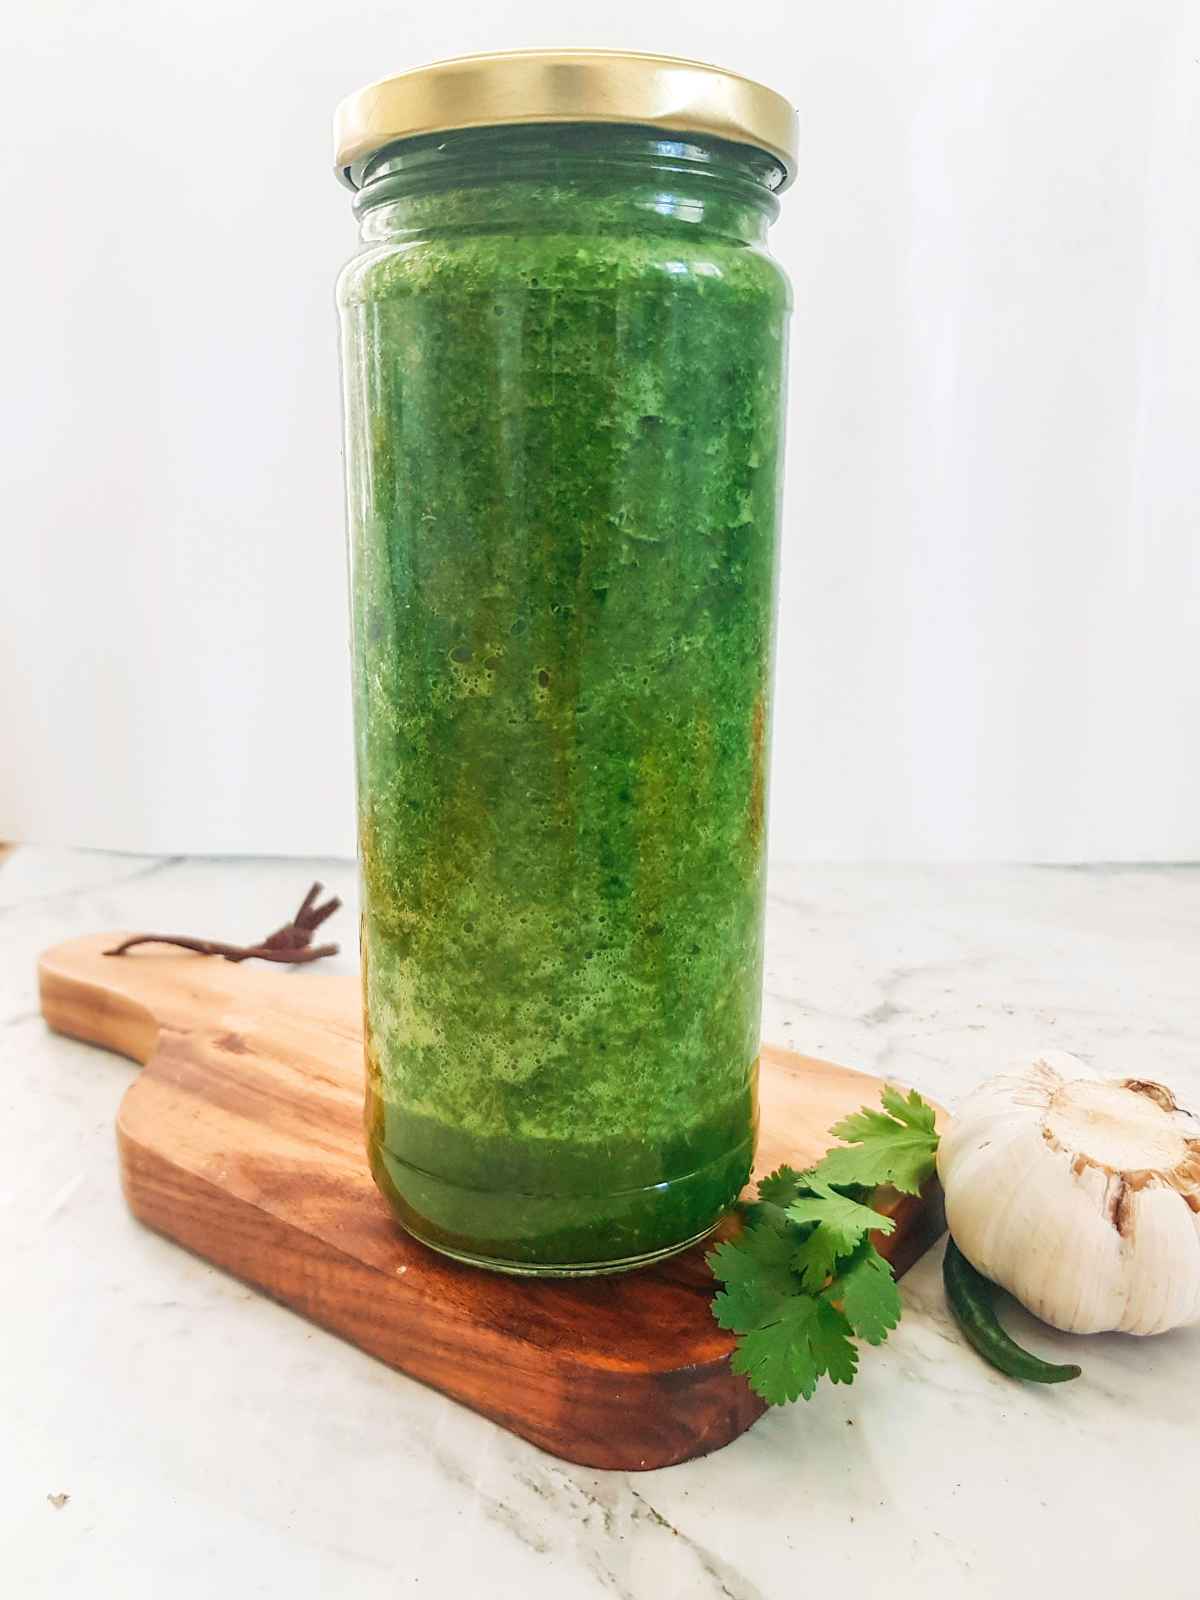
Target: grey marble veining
[[213, 1443]]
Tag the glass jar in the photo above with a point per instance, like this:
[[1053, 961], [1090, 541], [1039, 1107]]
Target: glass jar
[[563, 357]]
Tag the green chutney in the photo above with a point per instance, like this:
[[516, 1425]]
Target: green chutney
[[563, 353]]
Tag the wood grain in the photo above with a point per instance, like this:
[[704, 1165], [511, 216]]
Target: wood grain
[[242, 1139]]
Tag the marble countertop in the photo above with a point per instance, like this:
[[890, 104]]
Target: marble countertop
[[212, 1443]]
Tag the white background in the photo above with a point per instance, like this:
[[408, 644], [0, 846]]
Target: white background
[[991, 598]]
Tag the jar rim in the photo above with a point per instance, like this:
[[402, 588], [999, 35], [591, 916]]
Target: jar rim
[[527, 87]]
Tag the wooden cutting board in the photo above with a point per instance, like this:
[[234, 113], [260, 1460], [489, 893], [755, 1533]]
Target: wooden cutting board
[[242, 1139]]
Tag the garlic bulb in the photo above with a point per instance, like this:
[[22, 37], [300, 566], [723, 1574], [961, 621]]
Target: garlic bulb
[[1080, 1195]]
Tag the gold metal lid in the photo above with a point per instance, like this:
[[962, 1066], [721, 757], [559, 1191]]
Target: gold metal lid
[[529, 86]]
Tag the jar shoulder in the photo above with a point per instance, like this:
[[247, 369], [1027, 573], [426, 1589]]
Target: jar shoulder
[[688, 261]]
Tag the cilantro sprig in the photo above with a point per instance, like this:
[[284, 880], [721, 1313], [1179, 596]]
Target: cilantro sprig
[[803, 1280]]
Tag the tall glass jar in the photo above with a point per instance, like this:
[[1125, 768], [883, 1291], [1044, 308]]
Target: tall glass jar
[[563, 355]]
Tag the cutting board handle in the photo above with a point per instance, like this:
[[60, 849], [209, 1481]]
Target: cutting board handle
[[123, 1003]]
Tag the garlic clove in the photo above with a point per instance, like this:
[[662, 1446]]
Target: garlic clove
[[1021, 1227], [1163, 1284]]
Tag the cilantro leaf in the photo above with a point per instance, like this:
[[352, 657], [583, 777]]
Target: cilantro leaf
[[778, 1359], [780, 1187], [844, 1219], [758, 1255], [909, 1109], [784, 1358], [895, 1146], [743, 1307], [867, 1293], [830, 1345], [756, 1270], [815, 1258]]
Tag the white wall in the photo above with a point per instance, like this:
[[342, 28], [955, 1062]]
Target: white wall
[[991, 602]]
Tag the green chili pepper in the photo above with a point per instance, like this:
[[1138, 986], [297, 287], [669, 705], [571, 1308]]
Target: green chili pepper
[[970, 1297]]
